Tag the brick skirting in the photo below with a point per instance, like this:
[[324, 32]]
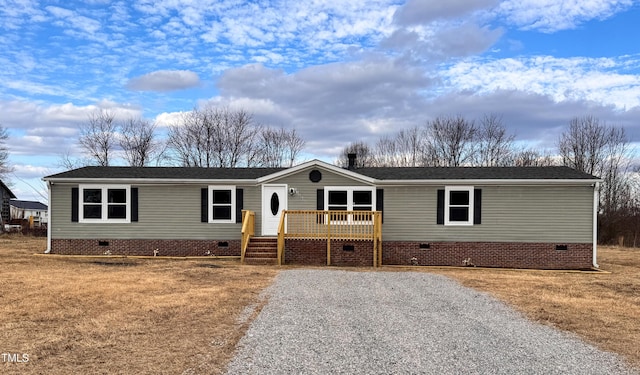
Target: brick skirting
[[356, 253], [146, 247], [314, 252], [479, 254], [489, 254]]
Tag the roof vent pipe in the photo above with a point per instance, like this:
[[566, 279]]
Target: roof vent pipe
[[352, 161]]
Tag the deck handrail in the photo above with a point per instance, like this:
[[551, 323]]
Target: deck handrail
[[248, 230], [331, 225]]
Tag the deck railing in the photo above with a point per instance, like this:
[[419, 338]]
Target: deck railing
[[248, 230], [332, 225]]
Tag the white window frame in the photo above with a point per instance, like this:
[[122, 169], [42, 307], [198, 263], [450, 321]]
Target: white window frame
[[104, 204], [349, 190], [447, 205], [233, 203]]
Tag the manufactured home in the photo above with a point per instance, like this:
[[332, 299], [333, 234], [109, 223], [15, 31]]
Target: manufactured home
[[319, 214]]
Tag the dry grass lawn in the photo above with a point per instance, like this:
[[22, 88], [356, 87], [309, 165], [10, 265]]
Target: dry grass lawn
[[130, 316], [117, 315], [603, 308]]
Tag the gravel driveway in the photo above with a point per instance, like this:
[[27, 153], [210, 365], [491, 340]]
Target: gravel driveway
[[346, 322]]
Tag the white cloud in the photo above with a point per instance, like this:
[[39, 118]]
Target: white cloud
[[35, 118], [554, 15], [164, 80], [167, 119], [30, 171], [70, 18], [590, 79], [329, 104], [420, 12]]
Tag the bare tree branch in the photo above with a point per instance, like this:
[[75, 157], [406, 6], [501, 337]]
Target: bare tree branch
[[450, 142], [97, 137], [5, 167], [137, 140], [494, 143], [601, 150]]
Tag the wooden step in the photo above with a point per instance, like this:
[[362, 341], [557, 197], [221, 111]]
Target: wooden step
[[253, 254], [262, 250]]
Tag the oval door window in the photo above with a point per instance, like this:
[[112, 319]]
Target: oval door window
[[275, 204]]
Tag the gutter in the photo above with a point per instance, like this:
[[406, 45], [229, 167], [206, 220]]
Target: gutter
[[49, 216], [596, 201]]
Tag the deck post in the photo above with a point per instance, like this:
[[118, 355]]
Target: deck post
[[378, 234], [375, 239], [328, 239], [281, 226]]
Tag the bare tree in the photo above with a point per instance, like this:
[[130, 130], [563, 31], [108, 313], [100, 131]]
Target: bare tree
[[530, 157], [190, 141], [583, 146], [386, 153], [5, 168], [601, 150], [295, 145], [97, 137], [450, 142], [215, 137], [238, 133], [67, 161], [278, 147], [137, 140], [406, 149], [411, 144], [494, 143], [273, 147]]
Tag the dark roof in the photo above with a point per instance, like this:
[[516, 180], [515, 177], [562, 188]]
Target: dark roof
[[178, 173], [28, 205], [5, 187], [380, 173], [474, 173]]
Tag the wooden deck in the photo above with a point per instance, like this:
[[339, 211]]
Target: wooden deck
[[322, 226]]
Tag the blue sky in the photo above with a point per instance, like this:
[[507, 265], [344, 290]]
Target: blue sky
[[336, 71]]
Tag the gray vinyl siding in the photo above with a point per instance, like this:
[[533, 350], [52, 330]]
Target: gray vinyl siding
[[509, 214], [164, 212], [305, 199]]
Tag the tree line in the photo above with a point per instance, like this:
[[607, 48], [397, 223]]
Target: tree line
[[204, 137], [447, 141], [221, 137], [587, 145]]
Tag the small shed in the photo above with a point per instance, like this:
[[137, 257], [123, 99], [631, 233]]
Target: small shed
[[5, 196]]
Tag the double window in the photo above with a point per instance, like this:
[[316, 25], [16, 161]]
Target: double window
[[222, 206], [349, 199], [109, 203]]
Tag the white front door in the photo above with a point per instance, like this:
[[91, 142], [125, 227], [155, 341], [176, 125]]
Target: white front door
[[274, 201]]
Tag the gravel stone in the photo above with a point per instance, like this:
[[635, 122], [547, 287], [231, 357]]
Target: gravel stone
[[350, 322]]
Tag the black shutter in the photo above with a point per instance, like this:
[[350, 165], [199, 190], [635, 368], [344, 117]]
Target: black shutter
[[477, 206], [320, 205], [440, 215], [320, 199], [380, 202], [134, 204], [204, 205], [239, 204], [74, 204]]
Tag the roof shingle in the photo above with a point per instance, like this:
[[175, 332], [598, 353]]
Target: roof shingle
[[177, 173], [379, 173]]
